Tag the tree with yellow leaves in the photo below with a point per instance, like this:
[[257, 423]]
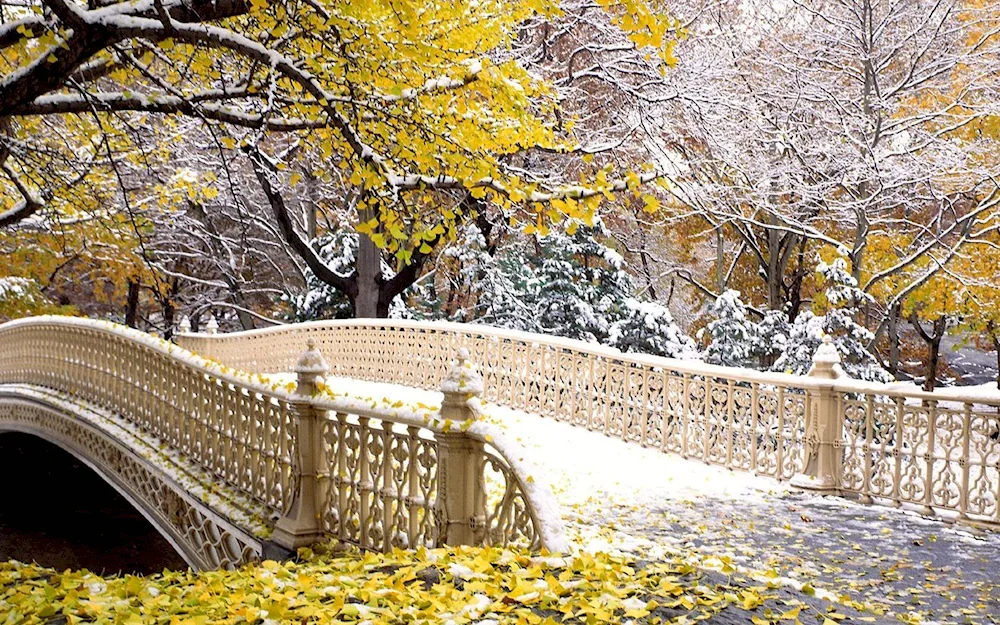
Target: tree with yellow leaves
[[404, 102], [932, 310], [978, 270], [92, 266]]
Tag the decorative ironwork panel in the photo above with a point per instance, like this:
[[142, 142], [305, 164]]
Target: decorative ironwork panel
[[937, 457], [510, 519], [383, 483]]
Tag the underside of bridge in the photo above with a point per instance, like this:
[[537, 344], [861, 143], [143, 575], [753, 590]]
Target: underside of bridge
[[57, 454], [58, 512]]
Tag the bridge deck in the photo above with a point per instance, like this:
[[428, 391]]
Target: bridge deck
[[619, 496]]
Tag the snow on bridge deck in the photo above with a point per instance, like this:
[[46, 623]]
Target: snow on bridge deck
[[619, 497]]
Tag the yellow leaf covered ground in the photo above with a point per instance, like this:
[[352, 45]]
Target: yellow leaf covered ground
[[454, 585]]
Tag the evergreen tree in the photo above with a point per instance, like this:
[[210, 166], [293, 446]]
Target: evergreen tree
[[649, 328], [563, 284], [580, 286], [732, 334], [805, 335], [843, 300], [770, 338]]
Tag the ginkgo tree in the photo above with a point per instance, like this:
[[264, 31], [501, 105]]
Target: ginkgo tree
[[414, 104]]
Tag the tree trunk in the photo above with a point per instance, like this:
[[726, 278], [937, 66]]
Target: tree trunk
[[650, 289], [169, 310], [132, 305], [795, 288], [369, 274], [930, 377], [720, 259], [893, 332], [168, 318], [996, 348], [311, 222], [995, 338], [773, 269], [933, 341], [246, 319]]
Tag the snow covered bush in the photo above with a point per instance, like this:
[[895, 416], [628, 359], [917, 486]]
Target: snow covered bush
[[843, 300], [507, 294], [771, 337], [571, 285], [735, 340], [562, 284], [732, 334], [580, 286], [805, 335], [649, 328]]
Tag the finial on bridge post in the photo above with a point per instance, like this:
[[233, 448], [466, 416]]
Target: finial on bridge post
[[311, 370], [185, 325], [826, 361], [463, 380], [212, 327]]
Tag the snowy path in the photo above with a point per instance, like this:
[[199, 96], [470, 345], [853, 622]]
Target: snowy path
[[618, 496]]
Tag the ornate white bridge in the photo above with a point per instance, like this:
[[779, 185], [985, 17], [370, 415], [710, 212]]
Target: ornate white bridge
[[230, 467]]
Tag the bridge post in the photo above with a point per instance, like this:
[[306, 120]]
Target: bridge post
[[303, 525], [824, 427], [461, 485]]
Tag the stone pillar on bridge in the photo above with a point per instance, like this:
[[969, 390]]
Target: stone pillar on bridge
[[303, 525], [461, 484], [824, 426]]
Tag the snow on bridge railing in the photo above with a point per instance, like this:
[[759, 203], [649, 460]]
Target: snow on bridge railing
[[374, 473], [825, 431]]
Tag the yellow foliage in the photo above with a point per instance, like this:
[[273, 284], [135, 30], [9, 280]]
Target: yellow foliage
[[457, 584], [401, 94]]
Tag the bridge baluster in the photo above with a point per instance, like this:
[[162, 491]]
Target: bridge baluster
[[824, 427], [461, 485], [303, 524]]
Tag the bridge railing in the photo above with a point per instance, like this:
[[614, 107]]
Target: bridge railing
[[937, 450], [240, 434], [375, 474]]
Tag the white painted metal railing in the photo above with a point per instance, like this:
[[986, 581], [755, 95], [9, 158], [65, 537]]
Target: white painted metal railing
[[377, 475], [879, 441]]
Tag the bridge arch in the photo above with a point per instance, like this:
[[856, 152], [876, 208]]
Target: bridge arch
[[203, 537]]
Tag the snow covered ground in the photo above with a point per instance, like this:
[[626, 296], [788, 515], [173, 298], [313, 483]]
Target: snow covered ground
[[619, 497], [987, 391]]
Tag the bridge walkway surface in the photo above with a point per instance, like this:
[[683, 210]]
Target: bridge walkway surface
[[830, 553]]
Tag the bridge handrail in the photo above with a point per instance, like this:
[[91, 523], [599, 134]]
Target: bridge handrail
[[255, 437], [230, 348], [938, 450]]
